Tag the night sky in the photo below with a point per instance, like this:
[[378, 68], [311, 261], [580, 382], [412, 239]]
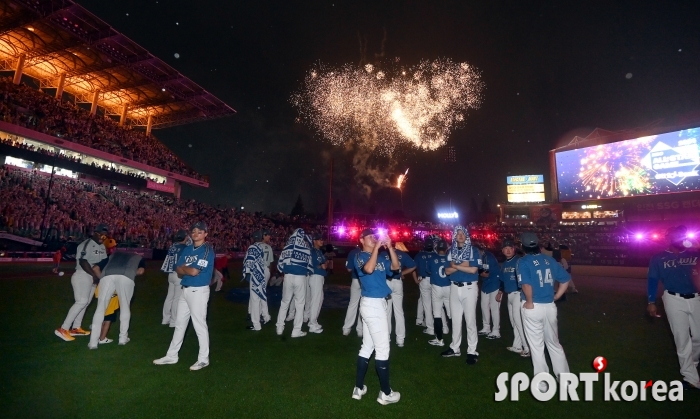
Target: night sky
[[552, 70]]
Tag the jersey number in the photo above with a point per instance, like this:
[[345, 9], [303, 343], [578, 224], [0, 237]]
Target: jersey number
[[547, 277]]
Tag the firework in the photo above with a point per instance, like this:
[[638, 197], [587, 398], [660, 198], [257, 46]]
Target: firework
[[610, 169], [401, 180], [382, 109]]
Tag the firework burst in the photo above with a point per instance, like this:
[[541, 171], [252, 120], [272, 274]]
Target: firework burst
[[382, 109], [608, 170]]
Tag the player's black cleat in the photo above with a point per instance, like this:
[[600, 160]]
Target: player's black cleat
[[449, 353], [472, 359]]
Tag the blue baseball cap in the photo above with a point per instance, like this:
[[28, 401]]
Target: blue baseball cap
[[199, 225]]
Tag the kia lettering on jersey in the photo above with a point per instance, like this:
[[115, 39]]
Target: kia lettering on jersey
[[680, 262]]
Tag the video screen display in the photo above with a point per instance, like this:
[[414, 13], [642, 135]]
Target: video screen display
[[657, 164]]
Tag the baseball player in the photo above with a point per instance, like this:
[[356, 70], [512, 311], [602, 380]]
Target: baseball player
[[425, 311], [174, 289], [355, 291], [194, 266], [314, 295], [509, 280], [536, 275], [89, 253], [256, 270], [677, 269], [118, 275], [395, 282], [295, 263], [109, 317], [464, 291], [438, 269], [490, 295], [372, 272]]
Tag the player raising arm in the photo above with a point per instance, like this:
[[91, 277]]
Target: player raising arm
[[372, 272]]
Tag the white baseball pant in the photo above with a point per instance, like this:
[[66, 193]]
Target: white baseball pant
[[396, 306], [463, 303], [192, 304], [540, 324], [314, 301], [516, 320], [491, 310], [170, 306], [684, 318], [375, 328], [124, 288], [257, 306], [83, 291], [294, 287], [355, 293], [426, 303], [441, 298]]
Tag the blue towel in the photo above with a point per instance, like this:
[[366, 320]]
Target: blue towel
[[465, 253], [254, 270], [297, 251]]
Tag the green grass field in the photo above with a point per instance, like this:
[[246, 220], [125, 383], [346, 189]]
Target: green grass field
[[263, 375]]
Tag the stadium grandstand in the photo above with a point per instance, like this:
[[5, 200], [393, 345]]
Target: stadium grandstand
[[82, 97]]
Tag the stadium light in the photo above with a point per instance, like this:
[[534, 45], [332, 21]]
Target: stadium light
[[639, 236], [691, 235], [341, 231]]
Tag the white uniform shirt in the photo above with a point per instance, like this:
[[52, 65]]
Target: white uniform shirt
[[268, 256], [92, 252]]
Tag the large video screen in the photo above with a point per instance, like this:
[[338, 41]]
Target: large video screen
[[658, 164]]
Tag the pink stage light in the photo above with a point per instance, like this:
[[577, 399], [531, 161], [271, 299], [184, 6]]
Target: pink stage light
[[691, 235], [639, 236], [655, 236]]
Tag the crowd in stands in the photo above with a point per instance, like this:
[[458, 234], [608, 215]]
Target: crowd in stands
[[21, 105], [48, 151], [144, 219]]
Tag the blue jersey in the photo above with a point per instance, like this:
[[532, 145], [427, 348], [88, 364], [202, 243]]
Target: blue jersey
[[508, 275], [460, 276], [318, 259], [373, 284], [202, 258], [540, 271], [492, 282], [404, 259], [423, 259], [675, 270], [350, 262], [438, 264]]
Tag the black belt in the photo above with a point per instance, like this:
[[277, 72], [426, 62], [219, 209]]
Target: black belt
[[185, 286], [388, 297], [461, 284], [686, 296]]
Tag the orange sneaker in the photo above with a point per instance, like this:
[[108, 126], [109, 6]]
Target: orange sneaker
[[63, 334], [79, 332]]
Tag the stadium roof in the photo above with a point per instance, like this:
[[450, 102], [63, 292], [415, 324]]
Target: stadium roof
[[60, 36]]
